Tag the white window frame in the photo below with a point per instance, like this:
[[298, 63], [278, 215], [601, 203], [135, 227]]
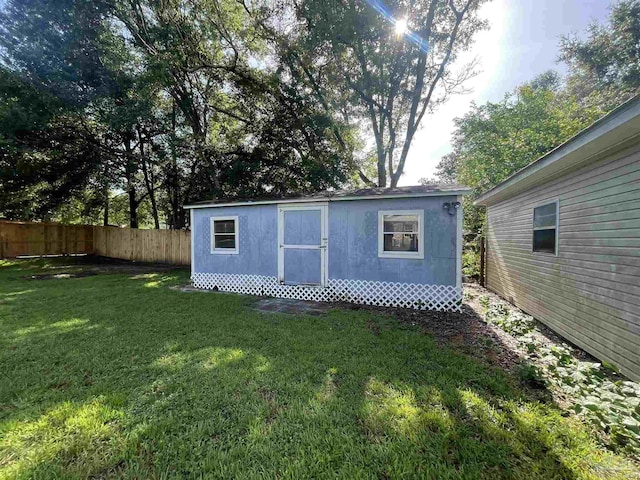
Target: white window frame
[[406, 255], [556, 228], [225, 251]]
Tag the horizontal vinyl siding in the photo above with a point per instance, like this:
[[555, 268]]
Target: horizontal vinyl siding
[[590, 292]]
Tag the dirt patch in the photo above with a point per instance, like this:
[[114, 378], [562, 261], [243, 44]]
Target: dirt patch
[[291, 306], [57, 276], [86, 266]]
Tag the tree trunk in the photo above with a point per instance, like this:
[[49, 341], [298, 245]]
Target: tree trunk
[[148, 184], [173, 194], [172, 183], [105, 218], [154, 206], [130, 170], [133, 207], [382, 173]]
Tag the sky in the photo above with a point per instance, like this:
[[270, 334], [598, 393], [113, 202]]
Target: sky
[[521, 43]]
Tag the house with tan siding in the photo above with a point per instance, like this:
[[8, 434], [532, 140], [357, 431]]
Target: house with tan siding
[[563, 239]]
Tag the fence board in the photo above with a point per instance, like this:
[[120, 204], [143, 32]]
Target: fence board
[[40, 238], [161, 246]]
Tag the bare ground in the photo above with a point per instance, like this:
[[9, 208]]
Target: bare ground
[[89, 265]]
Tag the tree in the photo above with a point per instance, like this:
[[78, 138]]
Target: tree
[[46, 153], [361, 71], [249, 132], [604, 68], [176, 104], [495, 140], [66, 51]]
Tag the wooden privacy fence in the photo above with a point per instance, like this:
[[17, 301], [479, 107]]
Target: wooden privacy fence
[[35, 239], [163, 246], [31, 238]]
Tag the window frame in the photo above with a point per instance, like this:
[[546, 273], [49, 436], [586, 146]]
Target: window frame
[[556, 227], [224, 251], [382, 253]]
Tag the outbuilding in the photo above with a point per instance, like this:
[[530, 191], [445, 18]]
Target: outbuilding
[[378, 246], [563, 239]]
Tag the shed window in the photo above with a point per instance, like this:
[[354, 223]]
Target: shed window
[[545, 228], [224, 235], [400, 234]]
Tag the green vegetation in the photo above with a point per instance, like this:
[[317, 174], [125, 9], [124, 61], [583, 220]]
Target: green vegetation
[[471, 263], [508, 319], [609, 402], [124, 111], [119, 376], [494, 140]]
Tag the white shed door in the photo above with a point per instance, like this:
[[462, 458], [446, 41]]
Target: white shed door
[[302, 241]]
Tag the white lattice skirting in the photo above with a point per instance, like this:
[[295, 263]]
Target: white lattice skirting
[[386, 294]]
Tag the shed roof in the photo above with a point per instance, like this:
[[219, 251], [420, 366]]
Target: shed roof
[[339, 195], [616, 130]]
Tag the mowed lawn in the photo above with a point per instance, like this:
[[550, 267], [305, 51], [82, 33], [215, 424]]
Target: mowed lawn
[[115, 375]]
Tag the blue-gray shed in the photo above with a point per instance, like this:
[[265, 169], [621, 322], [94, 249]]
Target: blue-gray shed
[[378, 246]]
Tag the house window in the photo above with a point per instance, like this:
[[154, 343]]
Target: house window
[[545, 228], [224, 235], [401, 234]]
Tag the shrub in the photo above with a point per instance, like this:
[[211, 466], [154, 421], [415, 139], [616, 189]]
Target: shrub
[[484, 302], [471, 264]]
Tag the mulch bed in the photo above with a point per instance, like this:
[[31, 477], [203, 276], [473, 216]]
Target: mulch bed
[[465, 330]]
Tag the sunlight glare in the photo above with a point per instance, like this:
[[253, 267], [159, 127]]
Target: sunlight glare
[[401, 26]]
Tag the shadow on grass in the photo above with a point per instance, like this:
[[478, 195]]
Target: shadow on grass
[[110, 377]]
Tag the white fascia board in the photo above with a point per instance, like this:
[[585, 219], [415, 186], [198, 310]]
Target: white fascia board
[[451, 193]]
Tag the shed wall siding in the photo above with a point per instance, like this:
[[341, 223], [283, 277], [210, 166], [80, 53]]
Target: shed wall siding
[[590, 291], [352, 245], [257, 241], [353, 242]]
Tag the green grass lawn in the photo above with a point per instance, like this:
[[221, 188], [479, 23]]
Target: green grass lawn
[[119, 376]]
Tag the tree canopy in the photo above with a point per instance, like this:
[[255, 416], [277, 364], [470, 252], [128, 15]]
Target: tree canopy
[[140, 106], [494, 140]]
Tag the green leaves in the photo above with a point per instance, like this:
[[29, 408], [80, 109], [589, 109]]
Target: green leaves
[[495, 140], [608, 60], [511, 321], [376, 80], [599, 396], [170, 102]]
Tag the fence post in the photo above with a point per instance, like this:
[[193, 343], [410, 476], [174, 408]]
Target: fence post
[[482, 261]]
